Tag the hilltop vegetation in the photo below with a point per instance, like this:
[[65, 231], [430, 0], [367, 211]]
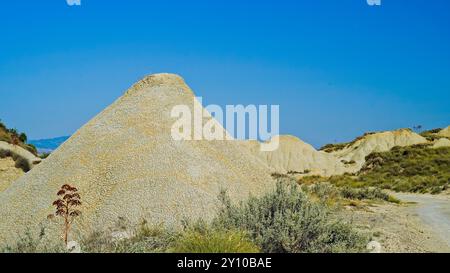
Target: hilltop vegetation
[[432, 135], [13, 136], [417, 168], [329, 148]]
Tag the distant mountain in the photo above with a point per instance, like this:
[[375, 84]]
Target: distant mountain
[[48, 145]]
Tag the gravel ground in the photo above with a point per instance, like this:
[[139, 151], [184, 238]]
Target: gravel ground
[[399, 228]]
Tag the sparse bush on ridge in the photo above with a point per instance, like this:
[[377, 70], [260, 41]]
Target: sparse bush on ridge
[[329, 148], [351, 162], [432, 135], [330, 194], [297, 172], [44, 155], [31, 148], [279, 175], [368, 193], [12, 136]]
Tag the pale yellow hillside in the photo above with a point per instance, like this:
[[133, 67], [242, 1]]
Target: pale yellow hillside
[[442, 142], [445, 132], [298, 157]]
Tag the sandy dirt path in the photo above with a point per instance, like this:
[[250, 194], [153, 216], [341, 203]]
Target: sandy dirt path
[[433, 210]]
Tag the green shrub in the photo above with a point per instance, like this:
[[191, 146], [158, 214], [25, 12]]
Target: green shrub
[[13, 136], [215, 241], [144, 239], [298, 172], [364, 193], [44, 155], [324, 191], [285, 220], [4, 136], [279, 175], [23, 137]]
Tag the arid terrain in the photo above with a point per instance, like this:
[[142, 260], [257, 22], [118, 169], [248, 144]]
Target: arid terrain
[[124, 165], [418, 225]]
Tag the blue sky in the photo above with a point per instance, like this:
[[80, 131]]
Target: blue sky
[[336, 68]]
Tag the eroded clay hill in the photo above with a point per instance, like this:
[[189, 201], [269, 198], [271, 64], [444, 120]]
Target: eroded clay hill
[[301, 159], [126, 164], [298, 158], [354, 154]]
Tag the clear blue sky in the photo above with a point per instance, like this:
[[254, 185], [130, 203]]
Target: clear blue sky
[[337, 68]]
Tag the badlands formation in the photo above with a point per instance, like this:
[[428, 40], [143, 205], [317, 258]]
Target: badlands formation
[[296, 157], [126, 164]]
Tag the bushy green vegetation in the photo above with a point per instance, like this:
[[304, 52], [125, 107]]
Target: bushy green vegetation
[[351, 162], [331, 194], [44, 155], [367, 194], [287, 221], [417, 168], [297, 172], [284, 220], [143, 239], [214, 241], [13, 136]]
